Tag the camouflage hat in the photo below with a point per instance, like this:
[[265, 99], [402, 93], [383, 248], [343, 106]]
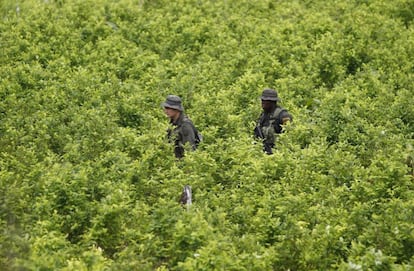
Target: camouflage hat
[[269, 95], [173, 102]]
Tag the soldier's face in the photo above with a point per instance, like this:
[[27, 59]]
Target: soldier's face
[[171, 113], [267, 105]]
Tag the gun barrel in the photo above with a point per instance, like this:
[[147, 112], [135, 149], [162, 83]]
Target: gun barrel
[[258, 132]]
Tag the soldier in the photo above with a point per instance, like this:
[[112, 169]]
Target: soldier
[[182, 130], [271, 120]]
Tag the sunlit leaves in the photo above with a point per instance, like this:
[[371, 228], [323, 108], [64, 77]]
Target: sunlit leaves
[[89, 181]]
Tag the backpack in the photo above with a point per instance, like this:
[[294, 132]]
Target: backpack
[[197, 134]]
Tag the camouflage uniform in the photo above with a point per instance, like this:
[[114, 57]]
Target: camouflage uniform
[[182, 130], [270, 122], [181, 133]]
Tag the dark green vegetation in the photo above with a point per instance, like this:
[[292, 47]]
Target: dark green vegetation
[[88, 182]]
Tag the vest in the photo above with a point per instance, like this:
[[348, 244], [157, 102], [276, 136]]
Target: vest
[[269, 130]]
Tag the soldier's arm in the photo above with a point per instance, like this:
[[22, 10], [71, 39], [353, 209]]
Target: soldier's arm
[[188, 134], [285, 117]]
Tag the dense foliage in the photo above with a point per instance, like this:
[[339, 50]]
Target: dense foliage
[[88, 181]]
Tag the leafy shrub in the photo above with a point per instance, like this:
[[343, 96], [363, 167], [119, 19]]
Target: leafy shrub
[[89, 181]]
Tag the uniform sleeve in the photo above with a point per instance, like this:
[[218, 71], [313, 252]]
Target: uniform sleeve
[[188, 134], [285, 117]]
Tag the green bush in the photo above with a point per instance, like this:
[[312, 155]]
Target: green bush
[[89, 181]]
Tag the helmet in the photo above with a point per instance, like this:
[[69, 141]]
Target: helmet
[[269, 95], [173, 102]]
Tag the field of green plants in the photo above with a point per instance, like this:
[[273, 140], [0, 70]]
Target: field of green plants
[[88, 180]]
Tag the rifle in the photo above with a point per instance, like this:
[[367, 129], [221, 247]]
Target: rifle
[[267, 146], [258, 132]]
